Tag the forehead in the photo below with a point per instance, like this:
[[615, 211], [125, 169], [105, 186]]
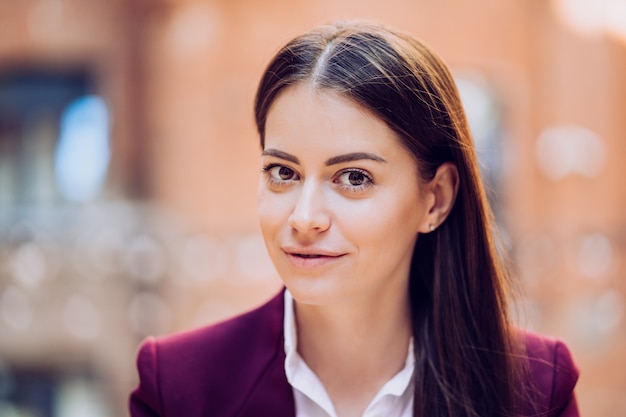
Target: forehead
[[305, 116]]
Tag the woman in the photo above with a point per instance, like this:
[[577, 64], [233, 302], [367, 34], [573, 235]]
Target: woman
[[372, 210]]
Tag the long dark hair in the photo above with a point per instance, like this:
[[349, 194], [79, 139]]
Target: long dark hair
[[458, 287]]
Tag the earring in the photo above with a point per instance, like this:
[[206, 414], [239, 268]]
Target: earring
[[432, 227]]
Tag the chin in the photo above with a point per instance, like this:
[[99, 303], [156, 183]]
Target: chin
[[313, 292]]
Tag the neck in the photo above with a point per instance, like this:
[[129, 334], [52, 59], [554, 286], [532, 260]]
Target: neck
[[335, 329], [354, 348]]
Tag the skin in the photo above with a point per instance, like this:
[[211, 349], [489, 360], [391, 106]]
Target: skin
[[341, 206]]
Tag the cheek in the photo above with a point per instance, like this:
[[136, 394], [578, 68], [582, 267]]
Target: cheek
[[380, 222], [363, 221]]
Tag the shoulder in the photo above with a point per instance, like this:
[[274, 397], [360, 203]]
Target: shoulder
[[210, 367], [229, 338], [551, 375]]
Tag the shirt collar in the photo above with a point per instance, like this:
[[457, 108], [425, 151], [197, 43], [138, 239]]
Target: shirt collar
[[302, 378]]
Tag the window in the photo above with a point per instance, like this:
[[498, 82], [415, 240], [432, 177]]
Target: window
[[54, 144]]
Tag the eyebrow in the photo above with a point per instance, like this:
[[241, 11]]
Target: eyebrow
[[339, 159], [356, 156], [281, 155]]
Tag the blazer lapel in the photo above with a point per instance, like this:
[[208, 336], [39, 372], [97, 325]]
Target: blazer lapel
[[271, 396]]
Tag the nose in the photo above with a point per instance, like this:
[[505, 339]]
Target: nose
[[310, 213]]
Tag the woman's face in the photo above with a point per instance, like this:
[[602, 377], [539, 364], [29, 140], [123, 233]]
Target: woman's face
[[340, 202]]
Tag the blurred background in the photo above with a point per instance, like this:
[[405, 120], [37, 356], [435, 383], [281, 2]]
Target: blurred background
[[129, 166]]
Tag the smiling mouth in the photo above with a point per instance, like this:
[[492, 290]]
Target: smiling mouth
[[315, 255], [312, 260]]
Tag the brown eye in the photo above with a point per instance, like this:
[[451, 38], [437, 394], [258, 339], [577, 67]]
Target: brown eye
[[281, 173], [285, 173], [354, 179]]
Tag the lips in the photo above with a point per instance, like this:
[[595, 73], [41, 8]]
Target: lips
[[308, 258]]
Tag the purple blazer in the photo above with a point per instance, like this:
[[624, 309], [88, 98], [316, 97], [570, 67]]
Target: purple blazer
[[236, 369]]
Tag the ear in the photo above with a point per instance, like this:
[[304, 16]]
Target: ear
[[441, 193]]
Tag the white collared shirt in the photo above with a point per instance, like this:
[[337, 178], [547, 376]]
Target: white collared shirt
[[395, 398]]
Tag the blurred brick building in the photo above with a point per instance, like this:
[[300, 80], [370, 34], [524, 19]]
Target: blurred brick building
[[162, 236]]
